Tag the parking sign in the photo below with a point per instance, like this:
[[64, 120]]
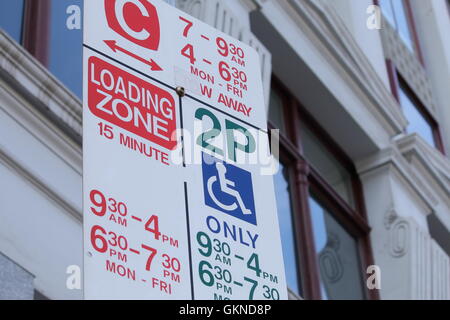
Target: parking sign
[[174, 125]]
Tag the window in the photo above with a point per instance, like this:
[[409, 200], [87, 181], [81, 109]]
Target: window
[[399, 15], [285, 217], [11, 18], [41, 27], [337, 255], [66, 51], [325, 235], [326, 164], [276, 112], [420, 121], [395, 13], [417, 123]]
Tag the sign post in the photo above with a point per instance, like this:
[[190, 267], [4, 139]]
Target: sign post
[[175, 141]]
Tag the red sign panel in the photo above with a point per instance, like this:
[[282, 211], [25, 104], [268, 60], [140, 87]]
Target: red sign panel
[[131, 103], [135, 20]]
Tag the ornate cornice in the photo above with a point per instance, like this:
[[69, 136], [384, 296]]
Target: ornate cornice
[[23, 73], [391, 159], [434, 166], [318, 20]]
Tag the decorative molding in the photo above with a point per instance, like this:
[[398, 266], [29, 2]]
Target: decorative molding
[[431, 165], [20, 68], [430, 276], [41, 127], [408, 65], [320, 21], [440, 271], [391, 159], [44, 131], [422, 267], [399, 238], [390, 217], [43, 187]]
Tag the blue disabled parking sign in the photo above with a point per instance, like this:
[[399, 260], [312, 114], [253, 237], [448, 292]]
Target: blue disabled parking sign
[[228, 189]]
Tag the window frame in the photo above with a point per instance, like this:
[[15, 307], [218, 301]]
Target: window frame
[[36, 36], [289, 160], [305, 179], [412, 28], [36, 29], [397, 82]]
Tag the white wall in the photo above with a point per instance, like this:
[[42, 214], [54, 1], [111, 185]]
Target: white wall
[[354, 15], [40, 197]]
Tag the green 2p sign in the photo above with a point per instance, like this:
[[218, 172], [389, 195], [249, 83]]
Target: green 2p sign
[[205, 139]]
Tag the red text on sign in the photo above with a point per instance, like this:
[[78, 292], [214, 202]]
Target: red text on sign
[[131, 103]]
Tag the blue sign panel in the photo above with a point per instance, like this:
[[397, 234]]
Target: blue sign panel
[[228, 189]]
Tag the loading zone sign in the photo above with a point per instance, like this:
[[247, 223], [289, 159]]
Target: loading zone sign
[[176, 205]]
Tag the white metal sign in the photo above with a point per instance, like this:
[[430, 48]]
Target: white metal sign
[[175, 202]]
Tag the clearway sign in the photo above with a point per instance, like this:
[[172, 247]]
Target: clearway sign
[[175, 202]]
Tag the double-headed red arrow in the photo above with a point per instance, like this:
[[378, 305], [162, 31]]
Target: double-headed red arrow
[[114, 47]]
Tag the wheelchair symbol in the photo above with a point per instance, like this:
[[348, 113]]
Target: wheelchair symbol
[[225, 185], [228, 189]]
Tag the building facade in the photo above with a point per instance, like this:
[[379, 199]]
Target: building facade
[[359, 92]]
